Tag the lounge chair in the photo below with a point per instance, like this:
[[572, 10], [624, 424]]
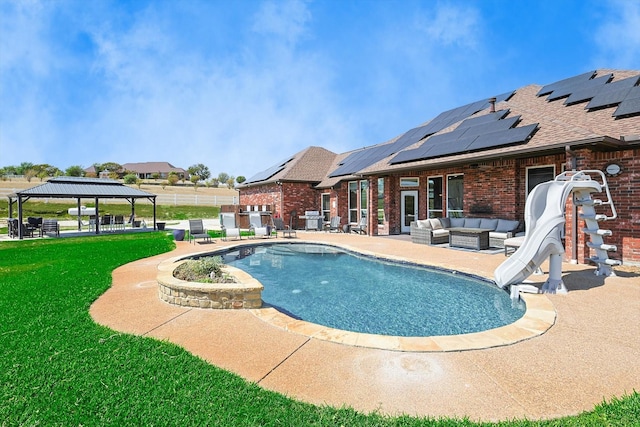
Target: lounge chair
[[361, 228], [197, 231], [228, 224], [334, 225], [50, 226], [289, 230], [255, 225]]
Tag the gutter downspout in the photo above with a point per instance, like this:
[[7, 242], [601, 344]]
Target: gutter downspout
[[574, 210]]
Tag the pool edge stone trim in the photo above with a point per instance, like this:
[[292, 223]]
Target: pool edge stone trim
[[539, 317]]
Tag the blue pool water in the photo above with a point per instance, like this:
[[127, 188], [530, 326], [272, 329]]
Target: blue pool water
[[336, 288]]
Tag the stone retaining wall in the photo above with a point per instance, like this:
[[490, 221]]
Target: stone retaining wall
[[246, 293]]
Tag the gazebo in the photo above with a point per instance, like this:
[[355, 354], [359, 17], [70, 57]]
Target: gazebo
[[67, 187]]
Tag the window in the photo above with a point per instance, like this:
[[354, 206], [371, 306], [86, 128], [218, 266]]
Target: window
[[353, 201], [364, 199], [358, 199], [455, 196], [326, 207], [434, 206], [409, 182], [538, 175], [381, 215]]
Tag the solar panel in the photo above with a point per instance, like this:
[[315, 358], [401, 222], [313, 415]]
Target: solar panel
[[593, 84], [608, 98], [504, 137], [566, 82], [487, 118], [268, 173], [630, 105], [505, 96]]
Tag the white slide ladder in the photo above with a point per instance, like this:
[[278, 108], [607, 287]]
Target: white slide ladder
[[545, 219], [592, 228]]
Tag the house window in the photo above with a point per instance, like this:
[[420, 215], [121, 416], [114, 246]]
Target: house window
[[326, 207], [358, 199], [381, 214], [434, 206], [364, 199], [538, 175], [455, 196], [409, 182], [353, 201]]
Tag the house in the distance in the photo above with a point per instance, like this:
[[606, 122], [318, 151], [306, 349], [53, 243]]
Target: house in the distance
[[146, 170], [481, 160]]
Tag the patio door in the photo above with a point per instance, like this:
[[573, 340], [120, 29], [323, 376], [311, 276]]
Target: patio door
[[408, 209]]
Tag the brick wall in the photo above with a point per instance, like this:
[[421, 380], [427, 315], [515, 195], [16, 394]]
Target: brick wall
[[496, 189]]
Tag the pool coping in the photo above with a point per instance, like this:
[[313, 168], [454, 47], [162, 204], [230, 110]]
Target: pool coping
[[539, 317]]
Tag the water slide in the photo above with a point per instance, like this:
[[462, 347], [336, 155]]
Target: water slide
[[544, 224]]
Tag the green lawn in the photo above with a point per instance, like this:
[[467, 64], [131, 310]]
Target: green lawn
[[59, 368]]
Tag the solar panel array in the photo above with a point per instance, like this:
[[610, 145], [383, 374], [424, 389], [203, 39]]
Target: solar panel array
[[368, 156], [600, 91], [268, 173], [477, 133]]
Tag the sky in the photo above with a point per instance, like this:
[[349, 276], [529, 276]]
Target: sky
[[241, 85]]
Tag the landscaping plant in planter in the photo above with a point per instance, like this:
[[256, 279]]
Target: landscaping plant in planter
[[206, 270]]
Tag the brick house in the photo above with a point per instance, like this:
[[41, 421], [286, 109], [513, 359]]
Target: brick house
[[483, 158]]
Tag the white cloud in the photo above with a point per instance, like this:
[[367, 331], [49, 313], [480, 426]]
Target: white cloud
[[618, 36]]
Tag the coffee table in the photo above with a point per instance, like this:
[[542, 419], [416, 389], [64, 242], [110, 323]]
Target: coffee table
[[470, 238]]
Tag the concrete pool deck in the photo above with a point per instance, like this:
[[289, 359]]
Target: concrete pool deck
[[588, 355]]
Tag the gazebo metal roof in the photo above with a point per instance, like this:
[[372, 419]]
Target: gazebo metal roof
[[81, 188]]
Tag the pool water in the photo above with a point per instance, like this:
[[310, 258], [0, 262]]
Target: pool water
[[343, 290]]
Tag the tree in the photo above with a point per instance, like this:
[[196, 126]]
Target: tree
[[223, 177], [74, 171], [200, 170], [110, 167], [194, 180], [130, 178], [23, 168], [173, 178], [240, 179], [230, 182]]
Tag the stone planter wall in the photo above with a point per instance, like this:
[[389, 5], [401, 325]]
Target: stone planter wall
[[247, 293]]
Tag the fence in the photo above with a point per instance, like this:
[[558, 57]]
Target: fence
[[161, 199]]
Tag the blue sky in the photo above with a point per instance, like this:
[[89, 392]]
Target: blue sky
[[240, 85]]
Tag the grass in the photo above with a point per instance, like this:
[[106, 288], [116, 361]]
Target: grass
[[60, 368]]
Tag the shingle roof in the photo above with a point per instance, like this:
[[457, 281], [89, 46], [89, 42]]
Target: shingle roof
[[83, 187], [550, 116], [151, 167], [308, 165]]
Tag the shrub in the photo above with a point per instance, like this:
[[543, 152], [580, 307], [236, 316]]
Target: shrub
[[206, 269]]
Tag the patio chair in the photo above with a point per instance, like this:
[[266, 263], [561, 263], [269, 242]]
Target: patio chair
[[118, 222], [289, 231], [34, 224], [361, 228], [106, 223], [50, 226], [228, 224], [12, 228], [197, 231], [333, 225], [255, 225]]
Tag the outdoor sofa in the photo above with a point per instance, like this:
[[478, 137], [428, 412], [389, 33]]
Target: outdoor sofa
[[435, 231]]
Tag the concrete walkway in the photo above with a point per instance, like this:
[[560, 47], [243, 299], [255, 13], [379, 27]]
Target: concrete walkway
[[590, 354]]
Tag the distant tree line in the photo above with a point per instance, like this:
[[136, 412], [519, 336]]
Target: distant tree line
[[199, 174]]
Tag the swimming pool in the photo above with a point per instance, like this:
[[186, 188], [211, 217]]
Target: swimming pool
[[340, 289]]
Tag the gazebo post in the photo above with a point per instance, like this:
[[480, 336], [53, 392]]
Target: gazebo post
[[20, 236], [79, 216], [97, 216]]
